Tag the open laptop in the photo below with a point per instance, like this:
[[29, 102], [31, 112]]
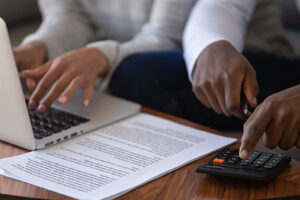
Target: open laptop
[[30, 129]]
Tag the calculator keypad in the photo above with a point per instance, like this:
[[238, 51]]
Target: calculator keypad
[[257, 160], [260, 166]]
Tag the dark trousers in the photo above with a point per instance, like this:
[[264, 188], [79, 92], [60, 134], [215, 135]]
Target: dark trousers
[[159, 80]]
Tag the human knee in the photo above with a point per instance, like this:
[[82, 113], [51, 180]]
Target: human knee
[[127, 75]]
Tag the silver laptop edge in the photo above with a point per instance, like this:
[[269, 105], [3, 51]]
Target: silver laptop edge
[[15, 126]]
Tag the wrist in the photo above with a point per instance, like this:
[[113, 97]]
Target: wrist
[[100, 58]]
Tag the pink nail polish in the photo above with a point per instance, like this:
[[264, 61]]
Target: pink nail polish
[[42, 108], [63, 100], [86, 103]]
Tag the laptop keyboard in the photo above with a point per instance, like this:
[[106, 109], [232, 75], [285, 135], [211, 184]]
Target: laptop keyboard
[[52, 121]]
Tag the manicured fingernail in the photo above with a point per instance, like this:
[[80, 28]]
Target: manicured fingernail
[[86, 103], [42, 108], [63, 99], [31, 104], [23, 73], [244, 154], [32, 84]]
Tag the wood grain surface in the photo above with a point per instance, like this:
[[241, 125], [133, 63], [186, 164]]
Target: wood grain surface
[[183, 183]]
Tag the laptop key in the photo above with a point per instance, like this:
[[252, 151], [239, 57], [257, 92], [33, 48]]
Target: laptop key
[[73, 122], [37, 136], [52, 121], [56, 129], [45, 133]]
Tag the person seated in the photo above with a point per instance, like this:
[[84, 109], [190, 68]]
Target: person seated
[[221, 76], [80, 41], [219, 79]]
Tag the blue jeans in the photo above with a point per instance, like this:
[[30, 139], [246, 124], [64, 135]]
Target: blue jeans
[[159, 80]]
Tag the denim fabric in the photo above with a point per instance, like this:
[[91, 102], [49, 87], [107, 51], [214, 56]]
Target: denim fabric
[[159, 80]]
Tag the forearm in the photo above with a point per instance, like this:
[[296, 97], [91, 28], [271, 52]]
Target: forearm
[[214, 20], [65, 27], [163, 31], [115, 51]]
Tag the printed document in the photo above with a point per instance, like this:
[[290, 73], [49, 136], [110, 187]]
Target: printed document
[[111, 161]]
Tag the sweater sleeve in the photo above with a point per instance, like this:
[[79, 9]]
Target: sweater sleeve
[[65, 27], [163, 31], [214, 20]]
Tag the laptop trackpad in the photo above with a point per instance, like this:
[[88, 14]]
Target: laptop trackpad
[[101, 106]]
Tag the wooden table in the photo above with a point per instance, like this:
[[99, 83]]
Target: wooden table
[[183, 183]]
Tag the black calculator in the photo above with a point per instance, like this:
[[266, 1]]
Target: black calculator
[[260, 166]]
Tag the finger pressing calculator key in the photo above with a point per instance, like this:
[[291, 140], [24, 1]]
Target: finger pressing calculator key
[[260, 166]]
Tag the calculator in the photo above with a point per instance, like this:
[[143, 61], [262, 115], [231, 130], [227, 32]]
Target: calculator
[[260, 166]]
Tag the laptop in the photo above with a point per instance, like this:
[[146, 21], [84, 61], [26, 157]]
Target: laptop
[[32, 130]]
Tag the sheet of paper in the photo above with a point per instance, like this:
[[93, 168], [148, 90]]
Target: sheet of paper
[[113, 160]]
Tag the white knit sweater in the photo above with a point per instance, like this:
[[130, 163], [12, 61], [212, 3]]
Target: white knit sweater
[[117, 28]]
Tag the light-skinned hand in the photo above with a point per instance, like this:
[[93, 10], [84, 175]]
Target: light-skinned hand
[[30, 56], [221, 77], [277, 119], [66, 74]]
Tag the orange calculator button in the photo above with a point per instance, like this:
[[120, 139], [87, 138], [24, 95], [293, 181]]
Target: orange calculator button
[[219, 160]]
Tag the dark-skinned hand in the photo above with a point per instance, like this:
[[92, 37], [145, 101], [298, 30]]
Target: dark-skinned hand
[[277, 119], [221, 77]]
